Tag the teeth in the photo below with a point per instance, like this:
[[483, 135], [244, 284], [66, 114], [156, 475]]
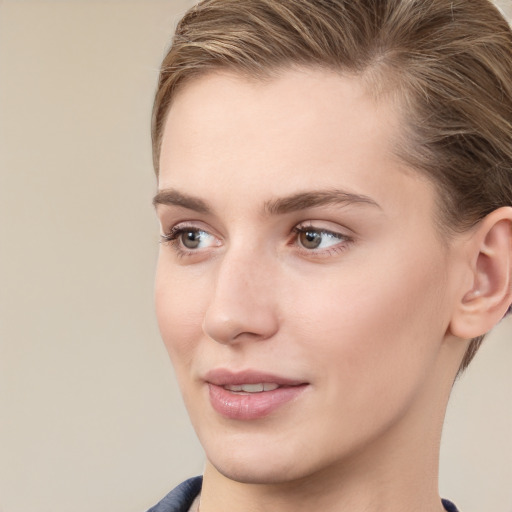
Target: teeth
[[252, 388]]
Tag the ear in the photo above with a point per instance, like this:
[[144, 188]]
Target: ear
[[489, 295]]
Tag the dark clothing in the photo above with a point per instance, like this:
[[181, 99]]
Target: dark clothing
[[449, 506], [180, 498]]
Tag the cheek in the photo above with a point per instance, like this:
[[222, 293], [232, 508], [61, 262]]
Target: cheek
[[386, 320], [371, 341], [179, 311]]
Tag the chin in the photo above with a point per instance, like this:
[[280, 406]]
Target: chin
[[265, 460], [255, 461], [263, 473]]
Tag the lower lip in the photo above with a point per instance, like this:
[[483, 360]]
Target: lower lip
[[251, 406]]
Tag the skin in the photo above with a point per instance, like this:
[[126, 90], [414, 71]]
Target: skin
[[364, 319]]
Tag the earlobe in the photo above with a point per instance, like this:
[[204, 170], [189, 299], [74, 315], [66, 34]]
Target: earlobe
[[488, 298]]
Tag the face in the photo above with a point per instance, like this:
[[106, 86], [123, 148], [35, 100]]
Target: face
[[302, 288]]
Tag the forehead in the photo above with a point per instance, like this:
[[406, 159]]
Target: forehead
[[224, 95], [304, 129]]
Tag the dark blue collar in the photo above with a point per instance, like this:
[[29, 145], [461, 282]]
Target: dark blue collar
[[449, 506], [180, 498]]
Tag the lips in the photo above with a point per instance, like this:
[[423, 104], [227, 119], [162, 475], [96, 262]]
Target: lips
[[250, 395]]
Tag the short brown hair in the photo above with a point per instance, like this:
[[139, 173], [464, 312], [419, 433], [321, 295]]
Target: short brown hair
[[447, 62]]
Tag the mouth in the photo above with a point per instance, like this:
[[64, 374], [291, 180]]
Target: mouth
[[251, 388], [250, 395]]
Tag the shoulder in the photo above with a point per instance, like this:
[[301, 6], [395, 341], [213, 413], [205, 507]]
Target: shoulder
[[181, 497]]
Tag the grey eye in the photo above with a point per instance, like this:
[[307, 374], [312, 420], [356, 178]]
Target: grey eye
[[191, 238], [310, 239]]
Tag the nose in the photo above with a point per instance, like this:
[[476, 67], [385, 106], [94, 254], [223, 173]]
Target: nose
[[243, 305]]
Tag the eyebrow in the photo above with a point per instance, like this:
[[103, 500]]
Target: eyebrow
[[170, 197], [304, 200], [279, 206]]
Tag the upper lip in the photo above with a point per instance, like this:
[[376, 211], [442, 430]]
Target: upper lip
[[225, 377]]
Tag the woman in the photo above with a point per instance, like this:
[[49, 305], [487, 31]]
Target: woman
[[335, 197]]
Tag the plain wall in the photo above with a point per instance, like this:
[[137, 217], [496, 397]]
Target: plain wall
[[90, 415]]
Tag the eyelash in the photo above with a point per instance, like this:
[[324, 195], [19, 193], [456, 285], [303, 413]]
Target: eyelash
[[173, 239]]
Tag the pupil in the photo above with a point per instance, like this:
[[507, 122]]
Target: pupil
[[191, 239], [311, 239]]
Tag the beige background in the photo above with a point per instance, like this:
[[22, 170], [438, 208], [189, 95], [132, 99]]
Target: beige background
[[90, 417]]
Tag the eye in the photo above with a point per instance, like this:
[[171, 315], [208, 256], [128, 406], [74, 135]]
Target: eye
[[193, 238], [314, 238], [187, 239]]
